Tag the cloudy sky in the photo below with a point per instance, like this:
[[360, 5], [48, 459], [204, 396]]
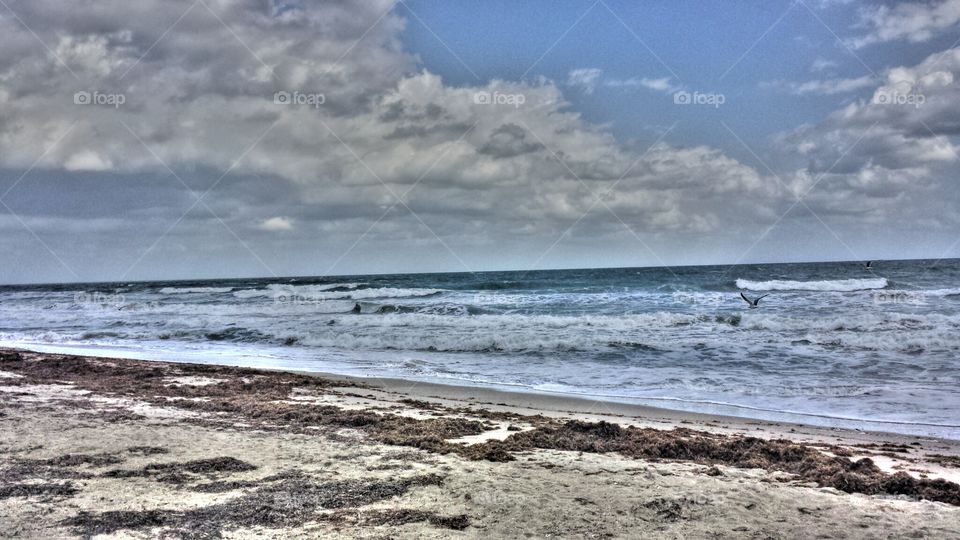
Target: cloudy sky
[[163, 139]]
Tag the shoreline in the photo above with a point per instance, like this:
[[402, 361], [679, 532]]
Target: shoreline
[[148, 449], [568, 406], [540, 398]]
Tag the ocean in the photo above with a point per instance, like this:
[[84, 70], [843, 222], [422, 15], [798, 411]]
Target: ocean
[[834, 344]]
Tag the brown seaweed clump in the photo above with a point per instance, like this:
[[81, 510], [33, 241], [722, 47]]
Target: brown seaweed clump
[[808, 463], [260, 400], [29, 490], [397, 517], [293, 500], [180, 473]]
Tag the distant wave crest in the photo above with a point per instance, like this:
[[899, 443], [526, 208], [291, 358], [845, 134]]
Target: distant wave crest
[[195, 290], [338, 291], [841, 285]]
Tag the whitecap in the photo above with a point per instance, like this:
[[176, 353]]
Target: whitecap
[[841, 285]]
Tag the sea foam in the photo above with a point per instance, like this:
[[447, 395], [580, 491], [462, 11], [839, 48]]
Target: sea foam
[[840, 285]]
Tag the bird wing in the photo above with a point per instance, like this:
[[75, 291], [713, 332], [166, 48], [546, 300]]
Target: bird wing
[[747, 300], [761, 298]]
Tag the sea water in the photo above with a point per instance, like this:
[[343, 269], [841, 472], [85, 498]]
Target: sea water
[[834, 344]]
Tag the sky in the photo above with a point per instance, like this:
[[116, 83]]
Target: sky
[[183, 139]]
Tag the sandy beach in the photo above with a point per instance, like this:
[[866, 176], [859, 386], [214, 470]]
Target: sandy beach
[[97, 447], [410, 269]]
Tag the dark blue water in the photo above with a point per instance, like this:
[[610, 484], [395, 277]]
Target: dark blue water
[[833, 343]]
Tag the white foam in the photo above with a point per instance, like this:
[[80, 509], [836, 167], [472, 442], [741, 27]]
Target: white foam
[[323, 292], [195, 290], [840, 285]]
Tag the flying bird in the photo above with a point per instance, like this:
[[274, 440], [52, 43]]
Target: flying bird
[[755, 302]]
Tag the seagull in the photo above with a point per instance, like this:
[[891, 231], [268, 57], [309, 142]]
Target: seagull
[[753, 303], [869, 264]]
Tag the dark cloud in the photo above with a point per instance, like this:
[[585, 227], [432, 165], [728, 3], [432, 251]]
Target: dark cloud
[[509, 140]]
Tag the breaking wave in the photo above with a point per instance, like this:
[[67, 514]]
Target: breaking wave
[[336, 291], [840, 285], [195, 290]]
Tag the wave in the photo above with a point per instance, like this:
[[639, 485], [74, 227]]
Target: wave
[[449, 310], [941, 293], [841, 285], [195, 290], [338, 291], [503, 285], [274, 288]]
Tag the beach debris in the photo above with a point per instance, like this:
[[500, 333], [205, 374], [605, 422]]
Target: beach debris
[[946, 461], [179, 473], [291, 501], [75, 460], [147, 450], [672, 509], [257, 399], [29, 490], [682, 444], [397, 517]]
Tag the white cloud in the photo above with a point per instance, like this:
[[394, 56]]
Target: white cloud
[[478, 173], [910, 21], [822, 64], [658, 85], [200, 100], [826, 87], [276, 224], [584, 79], [874, 156], [87, 160]]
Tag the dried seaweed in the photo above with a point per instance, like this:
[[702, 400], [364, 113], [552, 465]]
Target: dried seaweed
[[292, 501]]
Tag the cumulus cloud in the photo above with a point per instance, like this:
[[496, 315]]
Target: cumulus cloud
[[907, 121], [584, 79], [314, 115], [910, 21], [871, 155], [382, 126]]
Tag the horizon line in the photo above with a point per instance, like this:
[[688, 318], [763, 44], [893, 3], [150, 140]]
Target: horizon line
[[305, 276]]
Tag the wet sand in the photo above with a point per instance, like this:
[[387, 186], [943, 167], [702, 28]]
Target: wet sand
[[570, 407], [134, 449]]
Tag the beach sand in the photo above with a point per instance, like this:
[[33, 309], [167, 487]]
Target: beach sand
[[136, 449]]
